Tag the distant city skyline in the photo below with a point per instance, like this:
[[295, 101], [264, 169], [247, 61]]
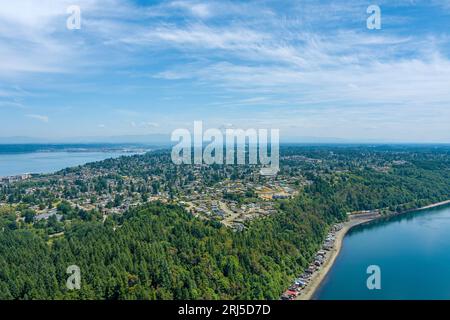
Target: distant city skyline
[[145, 68]]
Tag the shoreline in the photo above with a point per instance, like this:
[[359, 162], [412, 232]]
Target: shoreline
[[354, 220], [68, 155], [433, 205]]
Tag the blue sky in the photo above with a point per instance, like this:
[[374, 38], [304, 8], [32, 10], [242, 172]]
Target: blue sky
[[308, 68]]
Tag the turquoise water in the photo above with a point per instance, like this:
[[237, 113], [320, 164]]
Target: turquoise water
[[412, 251], [46, 162]]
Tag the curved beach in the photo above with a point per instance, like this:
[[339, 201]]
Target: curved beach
[[317, 277]]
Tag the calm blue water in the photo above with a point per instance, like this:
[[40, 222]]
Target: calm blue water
[[46, 162], [412, 250]]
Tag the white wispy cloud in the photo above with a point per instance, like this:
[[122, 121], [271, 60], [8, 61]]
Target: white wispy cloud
[[11, 104], [198, 9], [150, 124], [38, 117]]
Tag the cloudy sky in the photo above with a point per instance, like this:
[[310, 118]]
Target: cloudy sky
[[309, 68]]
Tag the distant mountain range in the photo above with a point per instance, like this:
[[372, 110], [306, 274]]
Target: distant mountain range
[[164, 139], [154, 139]]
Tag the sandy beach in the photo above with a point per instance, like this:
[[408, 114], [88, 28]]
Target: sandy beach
[[354, 220], [318, 276], [433, 205]]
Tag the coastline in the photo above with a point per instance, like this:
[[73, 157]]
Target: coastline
[[15, 165], [318, 276], [434, 205], [356, 219]]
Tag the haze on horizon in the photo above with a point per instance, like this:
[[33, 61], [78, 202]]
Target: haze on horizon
[[308, 68]]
